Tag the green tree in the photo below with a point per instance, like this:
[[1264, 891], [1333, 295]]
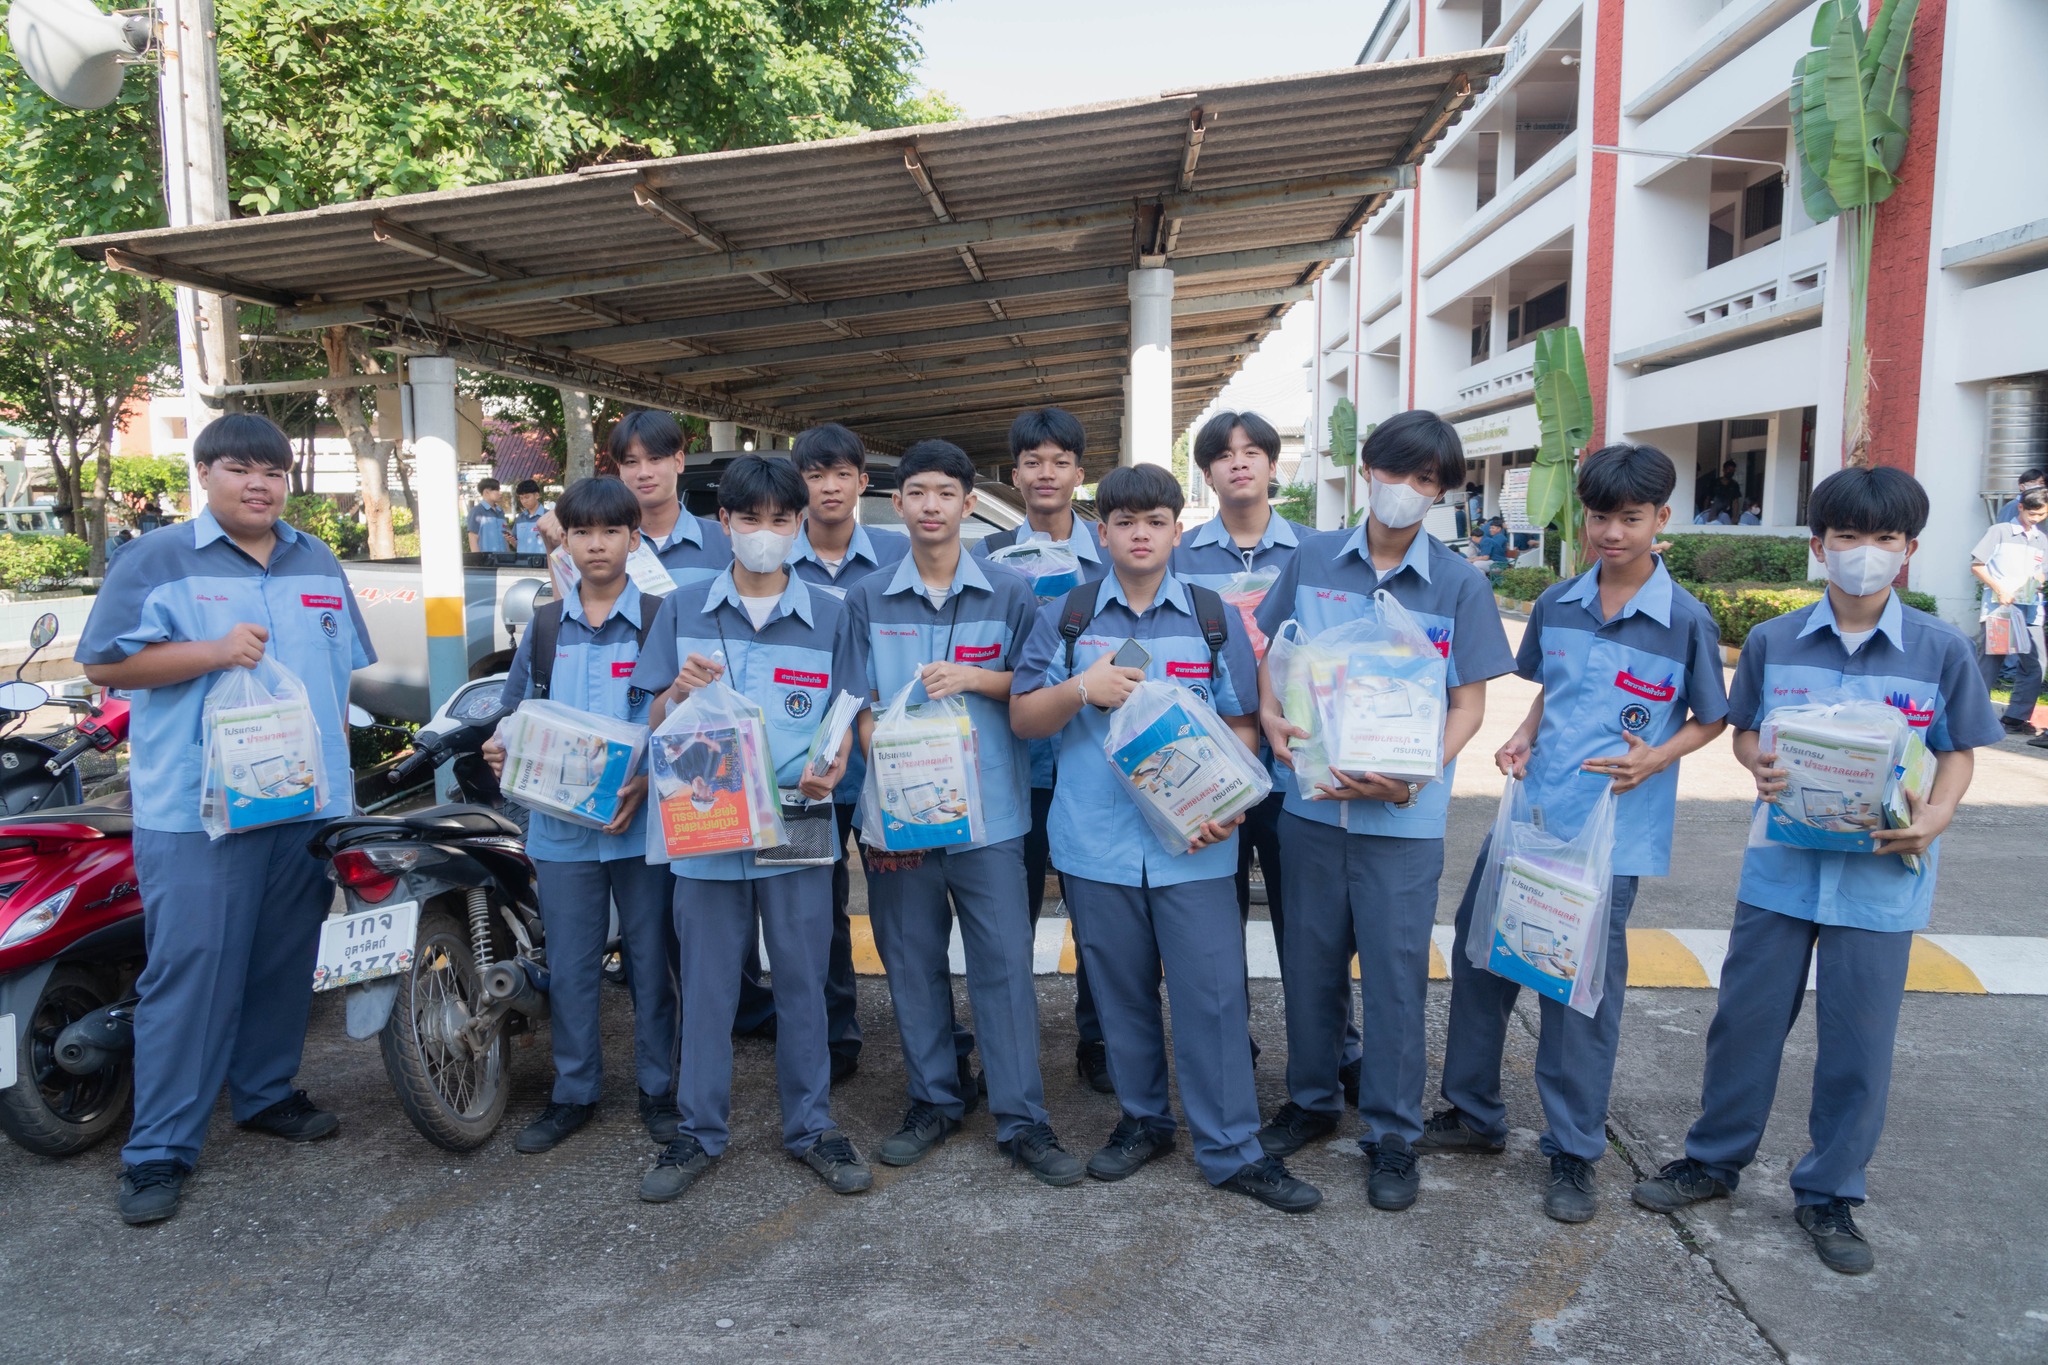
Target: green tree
[[153, 475]]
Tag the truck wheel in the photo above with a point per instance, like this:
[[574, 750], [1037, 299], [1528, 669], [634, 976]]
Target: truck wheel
[[48, 1110], [451, 1088]]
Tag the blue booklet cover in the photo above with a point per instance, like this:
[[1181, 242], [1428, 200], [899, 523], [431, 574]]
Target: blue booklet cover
[[1542, 929]]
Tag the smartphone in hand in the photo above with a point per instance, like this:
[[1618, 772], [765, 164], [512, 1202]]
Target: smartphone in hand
[[1131, 654]]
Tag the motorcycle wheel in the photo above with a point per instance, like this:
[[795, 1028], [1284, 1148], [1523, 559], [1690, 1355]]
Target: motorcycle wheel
[[453, 1092], [48, 1110]]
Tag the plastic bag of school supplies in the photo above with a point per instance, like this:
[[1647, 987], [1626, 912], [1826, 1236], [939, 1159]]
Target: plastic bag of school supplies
[[1383, 686], [711, 777], [262, 763], [2006, 631], [1054, 570], [1246, 591], [1540, 915], [1842, 758], [924, 776], [1288, 660], [1180, 762], [568, 763]]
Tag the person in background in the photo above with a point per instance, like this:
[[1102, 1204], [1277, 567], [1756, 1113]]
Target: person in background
[[487, 529], [1752, 515], [526, 519], [2029, 479], [1491, 551], [2010, 561]]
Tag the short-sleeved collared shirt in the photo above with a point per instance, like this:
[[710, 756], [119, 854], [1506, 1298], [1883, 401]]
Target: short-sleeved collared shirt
[[787, 667], [1643, 673], [1916, 662], [489, 525], [694, 550], [593, 671], [526, 531], [1095, 827], [870, 551], [1094, 564], [1209, 558], [891, 630], [2016, 555], [190, 582], [1330, 581]]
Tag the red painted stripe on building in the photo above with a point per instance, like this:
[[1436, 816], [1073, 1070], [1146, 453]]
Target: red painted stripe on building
[[1896, 323], [1598, 329]]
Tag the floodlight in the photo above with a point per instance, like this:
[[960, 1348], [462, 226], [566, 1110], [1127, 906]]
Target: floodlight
[[74, 53]]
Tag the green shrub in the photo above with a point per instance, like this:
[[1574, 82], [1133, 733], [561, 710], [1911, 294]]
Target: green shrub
[[151, 474], [1523, 585], [1921, 601], [317, 517], [31, 562], [1297, 502], [1737, 559]]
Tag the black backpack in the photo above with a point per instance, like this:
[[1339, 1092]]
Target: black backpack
[[547, 630], [1079, 609]]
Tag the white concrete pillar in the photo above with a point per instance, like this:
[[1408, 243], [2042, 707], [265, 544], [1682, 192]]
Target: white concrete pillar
[[1150, 407], [1781, 469], [440, 523], [725, 435], [1496, 467]]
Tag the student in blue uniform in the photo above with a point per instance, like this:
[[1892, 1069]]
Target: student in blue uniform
[[955, 625], [833, 552], [1849, 917], [1046, 446], [1138, 908], [487, 520], [1630, 665], [762, 631], [595, 641], [231, 924], [526, 539], [647, 449], [1380, 838]]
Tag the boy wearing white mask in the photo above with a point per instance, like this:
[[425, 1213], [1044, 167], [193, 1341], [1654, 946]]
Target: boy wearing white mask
[[1381, 838], [1848, 916]]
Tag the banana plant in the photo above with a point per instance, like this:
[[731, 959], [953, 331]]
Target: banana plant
[[1851, 111], [1564, 414]]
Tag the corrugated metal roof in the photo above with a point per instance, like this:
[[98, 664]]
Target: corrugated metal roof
[[911, 282]]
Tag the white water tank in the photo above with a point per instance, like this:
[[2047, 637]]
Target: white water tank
[[2016, 413]]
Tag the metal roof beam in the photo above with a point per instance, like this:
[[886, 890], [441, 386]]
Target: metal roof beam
[[998, 370], [149, 267]]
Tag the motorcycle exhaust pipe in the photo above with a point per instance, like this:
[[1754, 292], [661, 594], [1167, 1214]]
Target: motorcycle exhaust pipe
[[101, 1038], [520, 985]]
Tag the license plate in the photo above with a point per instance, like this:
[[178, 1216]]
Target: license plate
[[366, 945], [10, 1048]]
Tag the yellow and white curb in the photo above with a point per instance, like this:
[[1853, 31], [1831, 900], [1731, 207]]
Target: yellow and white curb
[[1944, 964]]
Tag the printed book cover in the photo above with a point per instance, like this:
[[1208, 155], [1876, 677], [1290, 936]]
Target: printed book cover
[[921, 771], [269, 758], [1540, 933], [706, 797], [1184, 773]]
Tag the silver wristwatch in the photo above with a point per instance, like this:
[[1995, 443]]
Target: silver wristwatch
[[1413, 788]]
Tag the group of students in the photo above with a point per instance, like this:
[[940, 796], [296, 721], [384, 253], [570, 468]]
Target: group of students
[[493, 528], [791, 600]]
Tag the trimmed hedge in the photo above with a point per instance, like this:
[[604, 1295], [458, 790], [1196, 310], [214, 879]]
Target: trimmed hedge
[[1737, 559], [1738, 608], [30, 562], [1523, 585]]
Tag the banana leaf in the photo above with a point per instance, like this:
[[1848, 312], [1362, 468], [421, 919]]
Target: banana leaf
[[1564, 403], [1813, 133], [1550, 490], [1343, 432], [1884, 58]]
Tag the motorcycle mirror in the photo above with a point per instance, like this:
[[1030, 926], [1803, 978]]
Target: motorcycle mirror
[[522, 597], [44, 630], [21, 697], [358, 718]]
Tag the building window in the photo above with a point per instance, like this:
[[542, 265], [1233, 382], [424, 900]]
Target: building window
[[1763, 212], [1547, 309]]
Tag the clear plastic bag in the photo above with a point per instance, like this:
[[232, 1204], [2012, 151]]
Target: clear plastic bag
[[1288, 658], [1180, 762], [711, 779], [1246, 591], [1053, 569], [1377, 689], [923, 787], [2006, 631], [1843, 757], [262, 763], [569, 763], [1540, 915]]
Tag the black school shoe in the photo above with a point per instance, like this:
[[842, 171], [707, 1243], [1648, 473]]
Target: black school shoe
[[1392, 1182], [676, 1169], [1569, 1197], [838, 1165], [661, 1116], [1294, 1128], [925, 1126], [293, 1118], [1447, 1131], [1038, 1150], [2015, 726], [844, 1064], [1680, 1183], [1130, 1146], [1267, 1181], [150, 1191], [556, 1122], [1836, 1238], [1091, 1060], [973, 1087]]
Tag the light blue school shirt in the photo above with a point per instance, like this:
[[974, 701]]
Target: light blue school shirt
[[1643, 673], [1915, 662], [526, 532], [694, 550], [487, 524], [1209, 558], [190, 582], [868, 553], [1094, 565]]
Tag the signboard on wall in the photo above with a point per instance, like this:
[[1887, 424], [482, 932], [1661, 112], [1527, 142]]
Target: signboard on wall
[[1500, 432], [1514, 499]]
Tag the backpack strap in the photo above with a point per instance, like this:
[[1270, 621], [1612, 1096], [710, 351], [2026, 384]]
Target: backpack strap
[[1209, 609], [1001, 540], [1076, 611], [649, 606], [541, 638]]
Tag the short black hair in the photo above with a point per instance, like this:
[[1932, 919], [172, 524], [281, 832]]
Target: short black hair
[[656, 431], [1036, 427], [1623, 475], [248, 437], [527, 486], [1417, 442], [1138, 488], [2034, 499], [591, 503], [1727, 465], [488, 485], [2032, 476], [1501, 522], [755, 483], [940, 457], [1214, 437], [1867, 500], [823, 446]]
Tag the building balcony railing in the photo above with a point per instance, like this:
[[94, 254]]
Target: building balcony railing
[[1509, 375], [1771, 274]]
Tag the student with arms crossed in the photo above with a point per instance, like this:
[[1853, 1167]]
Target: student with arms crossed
[[955, 624], [232, 924], [1380, 838], [758, 628], [1137, 908], [1630, 665], [595, 640], [1850, 917]]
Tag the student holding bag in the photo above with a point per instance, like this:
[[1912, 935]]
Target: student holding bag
[[233, 922], [1630, 666]]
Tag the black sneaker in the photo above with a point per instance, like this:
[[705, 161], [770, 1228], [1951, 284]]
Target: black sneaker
[[1130, 1146], [844, 1064], [1393, 1181], [925, 1126], [838, 1165], [1837, 1239], [1347, 1076], [2039, 742], [1091, 1060], [1294, 1128], [295, 1119], [676, 1169], [1681, 1182], [1447, 1131], [761, 1032], [1267, 1181], [150, 1191], [555, 1123], [1036, 1147], [1569, 1197], [661, 1116], [2013, 726]]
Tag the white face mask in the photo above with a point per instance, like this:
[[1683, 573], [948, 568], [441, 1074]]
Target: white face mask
[[1396, 506], [1864, 570], [761, 551]]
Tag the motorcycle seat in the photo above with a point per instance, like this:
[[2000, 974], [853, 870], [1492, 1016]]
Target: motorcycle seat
[[111, 815], [462, 821]]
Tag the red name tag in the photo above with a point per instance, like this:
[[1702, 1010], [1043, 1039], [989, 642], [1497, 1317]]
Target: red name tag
[[975, 654], [1174, 670], [310, 600], [796, 678], [1629, 682], [622, 670]]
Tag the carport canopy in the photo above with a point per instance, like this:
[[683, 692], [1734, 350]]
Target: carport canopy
[[910, 282]]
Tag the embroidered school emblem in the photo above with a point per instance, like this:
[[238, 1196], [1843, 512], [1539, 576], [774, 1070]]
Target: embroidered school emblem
[[798, 704], [329, 626], [1635, 717]]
